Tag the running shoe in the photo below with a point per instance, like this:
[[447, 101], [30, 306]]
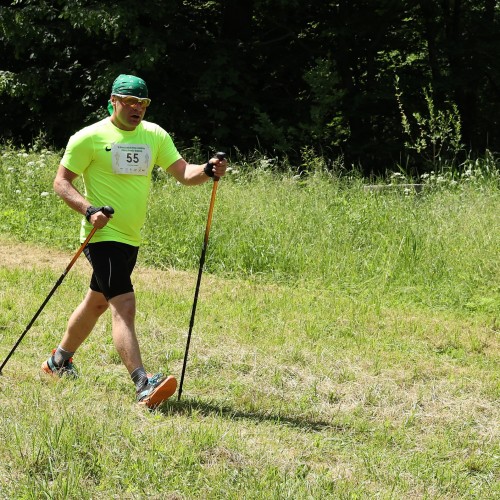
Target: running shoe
[[66, 370], [157, 390]]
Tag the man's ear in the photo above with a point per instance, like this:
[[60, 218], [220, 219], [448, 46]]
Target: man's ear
[[113, 100]]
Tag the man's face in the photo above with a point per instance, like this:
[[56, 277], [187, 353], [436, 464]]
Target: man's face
[[128, 111]]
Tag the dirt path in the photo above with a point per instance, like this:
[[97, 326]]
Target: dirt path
[[28, 256]]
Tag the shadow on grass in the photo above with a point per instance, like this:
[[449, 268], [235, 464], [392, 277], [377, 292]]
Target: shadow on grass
[[195, 407]]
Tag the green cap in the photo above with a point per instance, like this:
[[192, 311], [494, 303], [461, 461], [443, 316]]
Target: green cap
[[128, 85]]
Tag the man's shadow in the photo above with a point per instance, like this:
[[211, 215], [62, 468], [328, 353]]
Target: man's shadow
[[194, 406]]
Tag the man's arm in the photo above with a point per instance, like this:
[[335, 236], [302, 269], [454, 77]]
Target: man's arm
[[63, 186], [192, 175]]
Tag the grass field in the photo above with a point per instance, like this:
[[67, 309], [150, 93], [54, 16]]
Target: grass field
[[346, 343]]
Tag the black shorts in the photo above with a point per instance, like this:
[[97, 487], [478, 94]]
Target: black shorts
[[112, 263]]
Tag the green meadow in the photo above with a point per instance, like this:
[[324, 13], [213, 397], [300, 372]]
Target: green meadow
[[346, 342]]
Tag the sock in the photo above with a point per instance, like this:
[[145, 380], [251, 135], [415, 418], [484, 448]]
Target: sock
[[139, 377], [61, 356]]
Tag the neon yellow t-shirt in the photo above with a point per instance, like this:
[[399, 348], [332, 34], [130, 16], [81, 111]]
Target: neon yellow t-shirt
[[116, 167]]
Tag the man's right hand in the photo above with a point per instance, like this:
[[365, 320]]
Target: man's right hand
[[99, 216]]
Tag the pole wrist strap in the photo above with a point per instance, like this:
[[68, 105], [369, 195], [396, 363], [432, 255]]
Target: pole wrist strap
[[91, 211], [208, 169]]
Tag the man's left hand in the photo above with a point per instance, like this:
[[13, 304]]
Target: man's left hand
[[219, 166]]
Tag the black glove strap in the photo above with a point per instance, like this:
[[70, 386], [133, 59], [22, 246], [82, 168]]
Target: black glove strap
[[91, 211], [208, 169]]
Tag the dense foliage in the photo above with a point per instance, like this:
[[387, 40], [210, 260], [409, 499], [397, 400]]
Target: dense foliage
[[374, 83]]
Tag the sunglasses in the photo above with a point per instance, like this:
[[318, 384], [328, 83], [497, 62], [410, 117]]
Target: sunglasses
[[130, 100]]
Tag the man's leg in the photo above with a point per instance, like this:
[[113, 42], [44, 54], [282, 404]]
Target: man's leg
[[80, 324], [83, 320], [151, 391], [123, 325]]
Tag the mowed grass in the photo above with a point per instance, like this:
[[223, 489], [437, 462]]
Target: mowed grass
[[346, 345]]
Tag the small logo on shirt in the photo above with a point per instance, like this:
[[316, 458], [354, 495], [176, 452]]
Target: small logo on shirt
[[107, 148]]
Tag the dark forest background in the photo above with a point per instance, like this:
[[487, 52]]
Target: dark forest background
[[375, 83]]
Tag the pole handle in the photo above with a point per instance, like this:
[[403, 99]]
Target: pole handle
[[107, 210], [220, 156]]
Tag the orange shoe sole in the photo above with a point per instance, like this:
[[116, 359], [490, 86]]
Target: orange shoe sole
[[45, 370], [166, 389]]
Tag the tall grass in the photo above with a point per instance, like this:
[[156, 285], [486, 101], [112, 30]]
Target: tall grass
[[437, 248]]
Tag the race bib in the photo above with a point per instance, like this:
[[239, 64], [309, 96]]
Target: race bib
[[132, 159]]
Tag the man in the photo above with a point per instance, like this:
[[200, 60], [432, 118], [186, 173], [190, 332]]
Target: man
[[115, 157]]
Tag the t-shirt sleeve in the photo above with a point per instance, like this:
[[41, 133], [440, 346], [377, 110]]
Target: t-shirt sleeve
[[78, 153], [167, 152]]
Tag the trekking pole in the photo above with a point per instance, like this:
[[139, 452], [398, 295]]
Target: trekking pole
[[220, 156], [107, 211]]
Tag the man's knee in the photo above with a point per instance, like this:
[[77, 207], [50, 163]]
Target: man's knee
[[123, 306], [96, 303]]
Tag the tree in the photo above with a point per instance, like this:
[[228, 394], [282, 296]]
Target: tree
[[277, 75]]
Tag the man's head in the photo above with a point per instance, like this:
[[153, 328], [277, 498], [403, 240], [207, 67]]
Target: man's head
[[128, 102]]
